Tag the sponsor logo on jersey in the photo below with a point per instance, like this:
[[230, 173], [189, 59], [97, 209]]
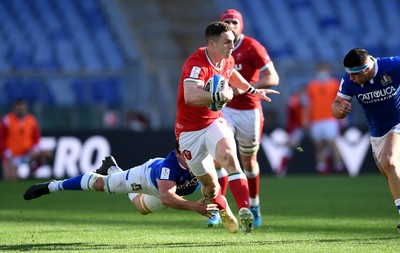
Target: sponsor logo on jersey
[[188, 183], [165, 173], [385, 79], [195, 72], [377, 95]]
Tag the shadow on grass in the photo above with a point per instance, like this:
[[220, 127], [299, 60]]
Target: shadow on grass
[[256, 243], [59, 247], [89, 246]]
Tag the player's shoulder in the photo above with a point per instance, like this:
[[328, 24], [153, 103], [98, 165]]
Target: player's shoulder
[[171, 160], [30, 116], [388, 63], [345, 81], [200, 53], [198, 58], [250, 41]]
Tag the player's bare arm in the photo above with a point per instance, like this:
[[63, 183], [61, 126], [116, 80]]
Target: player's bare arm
[[195, 95], [340, 107], [268, 78], [238, 81], [169, 198]]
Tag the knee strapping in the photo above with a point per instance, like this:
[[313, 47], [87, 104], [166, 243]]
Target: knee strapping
[[248, 150], [151, 203]]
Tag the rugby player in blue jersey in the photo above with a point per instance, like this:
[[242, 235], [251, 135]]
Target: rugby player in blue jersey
[[374, 82], [157, 184]]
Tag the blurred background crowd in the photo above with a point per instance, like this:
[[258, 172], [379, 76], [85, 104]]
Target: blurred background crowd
[[96, 64]]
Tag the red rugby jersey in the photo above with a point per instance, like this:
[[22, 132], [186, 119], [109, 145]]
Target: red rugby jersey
[[198, 68], [250, 58]]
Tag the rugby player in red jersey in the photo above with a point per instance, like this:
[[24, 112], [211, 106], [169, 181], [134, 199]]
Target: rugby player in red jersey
[[244, 113], [204, 135]]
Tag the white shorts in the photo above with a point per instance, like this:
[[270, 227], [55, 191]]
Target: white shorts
[[198, 147], [377, 144], [136, 179], [246, 125], [325, 130]]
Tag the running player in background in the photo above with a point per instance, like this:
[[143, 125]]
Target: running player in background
[[204, 135], [244, 113], [155, 185], [323, 127], [374, 82], [295, 117]]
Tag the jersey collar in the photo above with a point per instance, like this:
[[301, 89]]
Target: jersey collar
[[371, 81], [211, 62]]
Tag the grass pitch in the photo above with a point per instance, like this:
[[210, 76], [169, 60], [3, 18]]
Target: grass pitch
[[301, 214]]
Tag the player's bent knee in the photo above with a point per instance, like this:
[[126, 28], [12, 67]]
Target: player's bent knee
[[249, 150], [138, 205], [98, 184]]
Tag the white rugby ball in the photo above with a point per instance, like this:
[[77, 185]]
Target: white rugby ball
[[215, 84]]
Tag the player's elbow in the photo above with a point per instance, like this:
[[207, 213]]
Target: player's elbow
[[275, 81], [165, 200]]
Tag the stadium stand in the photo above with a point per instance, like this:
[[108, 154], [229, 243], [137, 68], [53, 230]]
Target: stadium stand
[[112, 54], [63, 54], [301, 33]]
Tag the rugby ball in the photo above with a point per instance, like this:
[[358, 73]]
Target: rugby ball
[[215, 84]]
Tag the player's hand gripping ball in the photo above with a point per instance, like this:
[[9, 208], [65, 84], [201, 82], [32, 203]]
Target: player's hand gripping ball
[[214, 85]]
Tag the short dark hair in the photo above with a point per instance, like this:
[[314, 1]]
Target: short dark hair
[[355, 58], [216, 29]]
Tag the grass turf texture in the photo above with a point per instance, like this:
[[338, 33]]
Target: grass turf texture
[[300, 214]]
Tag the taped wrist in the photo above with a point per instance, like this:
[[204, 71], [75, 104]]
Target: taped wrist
[[251, 90], [216, 97]]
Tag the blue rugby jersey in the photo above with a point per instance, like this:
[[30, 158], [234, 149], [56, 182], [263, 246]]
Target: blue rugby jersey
[[170, 169], [380, 98]]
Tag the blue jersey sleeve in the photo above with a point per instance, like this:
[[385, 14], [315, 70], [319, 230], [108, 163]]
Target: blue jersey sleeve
[[170, 169], [344, 88]]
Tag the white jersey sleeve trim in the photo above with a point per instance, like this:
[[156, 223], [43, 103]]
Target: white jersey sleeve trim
[[193, 80], [344, 96]]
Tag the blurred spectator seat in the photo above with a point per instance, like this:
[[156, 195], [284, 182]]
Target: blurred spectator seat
[[106, 91], [63, 38]]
